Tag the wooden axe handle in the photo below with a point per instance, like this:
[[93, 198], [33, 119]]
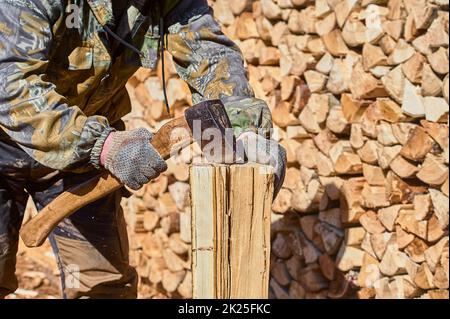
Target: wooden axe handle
[[35, 231]]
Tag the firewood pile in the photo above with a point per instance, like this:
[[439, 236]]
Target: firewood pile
[[359, 95]]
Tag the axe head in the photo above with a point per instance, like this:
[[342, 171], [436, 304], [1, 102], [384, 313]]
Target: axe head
[[211, 129]]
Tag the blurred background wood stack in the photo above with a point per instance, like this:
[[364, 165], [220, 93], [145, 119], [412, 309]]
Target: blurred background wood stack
[[364, 209]]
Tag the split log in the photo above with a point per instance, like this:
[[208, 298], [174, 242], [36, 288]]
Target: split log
[[413, 68], [439, 61], [371, 223], [350, 194], [431, 83], [433, 171], [407, 220], [335, 44], [435, 108], [380, 242], [217, 218], [418, 145], [349, 258]]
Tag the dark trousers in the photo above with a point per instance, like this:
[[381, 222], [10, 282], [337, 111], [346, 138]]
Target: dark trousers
[[91, 246]]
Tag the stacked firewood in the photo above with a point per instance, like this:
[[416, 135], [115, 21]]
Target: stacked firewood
[[359, 95], [155, 213]]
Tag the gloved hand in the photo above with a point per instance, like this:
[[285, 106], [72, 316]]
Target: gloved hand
[[130, 157], [264, 151]]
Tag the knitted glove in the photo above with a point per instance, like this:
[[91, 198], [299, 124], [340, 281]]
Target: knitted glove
[[130, 157], [264, 151]]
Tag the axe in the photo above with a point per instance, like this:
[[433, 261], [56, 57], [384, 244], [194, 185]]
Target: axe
[[170, 138]]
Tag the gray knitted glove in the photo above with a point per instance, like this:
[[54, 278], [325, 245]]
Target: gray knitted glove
[[132, 159], [264, 151]]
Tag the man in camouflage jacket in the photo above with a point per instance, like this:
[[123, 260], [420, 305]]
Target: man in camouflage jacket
[[62, 96]]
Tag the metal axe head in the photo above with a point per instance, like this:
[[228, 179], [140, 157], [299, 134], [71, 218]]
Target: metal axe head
[[211, 129]]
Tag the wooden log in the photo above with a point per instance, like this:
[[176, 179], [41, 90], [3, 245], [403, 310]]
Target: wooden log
[[280, 273], [418, 145], [416, 249], [270, 9], [334, 43], [445, 88], [352, 109], [327, 266], [330, 237], [379, 243], [349, 258], [412, 102], [440, 205], [306, 154], [336, 121], [310, 198], [431, 83], [185, 287], [354, 236], [439, 132], [282, 116], [283, 201], [340, 75], [424, 277], [369, 272], [372, 56], [403, 238], [224, 12], [221, 220], [393, 262], [407, 220], [402, 167], [315, 80], [364, 85], [393, 28], [387, 44], [246, 26], [342, 11], [150, 220], [385, 135], [388, 215], [238, 6], [373, 24], [344, 160], [369, 152], [174, 262], [435, 108], [433, 171], [394, 83], [350, 195], [402, 131], [439, 61], [326, 24], [371, 223], [171, 280], [434, 253], [312, 279], [354, 32], [401, 53], [387, 154], [400, 191], [413, 68]]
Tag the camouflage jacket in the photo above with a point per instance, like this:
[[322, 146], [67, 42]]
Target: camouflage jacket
[[61, 90]]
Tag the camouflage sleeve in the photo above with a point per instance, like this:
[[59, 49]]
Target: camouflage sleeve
[[32, 113], [213, 66]]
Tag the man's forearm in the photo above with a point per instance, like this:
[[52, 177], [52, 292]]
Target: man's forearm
[[213, 66]]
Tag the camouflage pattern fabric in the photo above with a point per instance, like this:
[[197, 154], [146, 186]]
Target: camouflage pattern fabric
[[61, 90], [90, 246]]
